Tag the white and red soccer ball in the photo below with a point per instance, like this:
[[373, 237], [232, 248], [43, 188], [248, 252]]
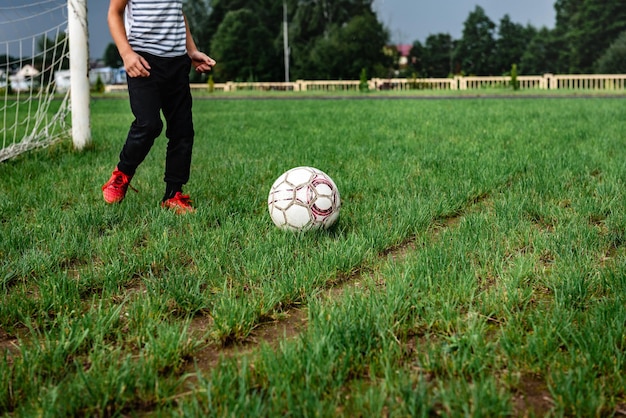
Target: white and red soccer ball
[[304, 198]]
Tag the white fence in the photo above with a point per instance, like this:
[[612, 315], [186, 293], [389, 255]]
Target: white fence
[[614, 82], [548, 82]]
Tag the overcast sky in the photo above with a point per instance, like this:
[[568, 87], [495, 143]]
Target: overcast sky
[[411, 20], [407, 20]]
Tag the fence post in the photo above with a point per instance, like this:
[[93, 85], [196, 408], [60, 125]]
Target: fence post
[[462, 82], [550, 82]]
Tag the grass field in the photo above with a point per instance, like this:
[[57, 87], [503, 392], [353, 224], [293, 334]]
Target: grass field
[[478, 267]]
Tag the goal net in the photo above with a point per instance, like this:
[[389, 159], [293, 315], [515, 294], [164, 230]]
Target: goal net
[[34, 75]]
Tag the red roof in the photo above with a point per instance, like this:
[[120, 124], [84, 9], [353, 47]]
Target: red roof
[[404, 49]]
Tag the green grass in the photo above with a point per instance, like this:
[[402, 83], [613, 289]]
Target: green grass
[[480, 253]]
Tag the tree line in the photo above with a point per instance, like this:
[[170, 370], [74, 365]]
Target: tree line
[[589, 37], [343, 39]]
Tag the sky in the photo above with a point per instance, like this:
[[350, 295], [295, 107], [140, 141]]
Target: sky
[[411, 20], [406, 20]]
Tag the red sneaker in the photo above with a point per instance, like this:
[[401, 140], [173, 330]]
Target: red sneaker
[[114, 190], [180, 204]]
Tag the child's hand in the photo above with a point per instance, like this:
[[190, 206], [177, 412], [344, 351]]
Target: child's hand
[[136, 65], [201, 61]]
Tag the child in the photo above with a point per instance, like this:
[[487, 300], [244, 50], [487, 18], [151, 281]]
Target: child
[[154, 41]]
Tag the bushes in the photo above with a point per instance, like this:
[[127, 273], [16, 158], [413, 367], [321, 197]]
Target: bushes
[[363, 83], [514, 81], [99, 86]]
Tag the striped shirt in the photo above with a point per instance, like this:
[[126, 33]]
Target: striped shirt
[[156, 27]]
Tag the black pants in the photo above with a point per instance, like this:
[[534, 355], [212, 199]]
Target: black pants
[[166, 89]]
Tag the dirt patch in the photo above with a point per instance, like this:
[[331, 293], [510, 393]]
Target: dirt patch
[[532, 398], [271, 333], [8, 343]]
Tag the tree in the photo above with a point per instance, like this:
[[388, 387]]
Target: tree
[[415, 58], [511, 44], [434, 58], [54, 50], [474, 50], [565, 12], [112, 56], [317, 17], [438, 52], [214, 35], [613, 61], [240, 48], [315, 22], [197, 13], [542, 54], [347, 49], [245, 37], [585, 29]]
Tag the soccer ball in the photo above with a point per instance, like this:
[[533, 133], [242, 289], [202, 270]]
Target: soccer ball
[[304, 198]]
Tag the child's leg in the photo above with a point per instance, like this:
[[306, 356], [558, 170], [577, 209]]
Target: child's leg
[[177, 105], [145, 103]]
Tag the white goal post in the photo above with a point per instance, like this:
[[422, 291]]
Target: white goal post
[[79, 72], [44, 75]]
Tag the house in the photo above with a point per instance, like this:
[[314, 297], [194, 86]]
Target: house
[[27, 71], [22, 80], [404, 50], [108, 75], [62, 80]]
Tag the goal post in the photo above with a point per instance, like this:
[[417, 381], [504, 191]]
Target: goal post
[[44, 75], [79, 72]]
